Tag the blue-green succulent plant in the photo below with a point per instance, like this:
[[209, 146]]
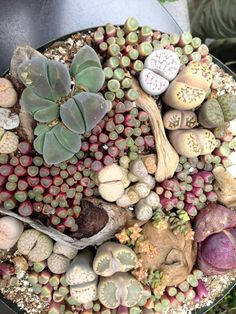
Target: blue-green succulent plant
[[63, 113]]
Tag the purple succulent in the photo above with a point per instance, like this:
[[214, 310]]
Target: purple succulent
[[214, 230]]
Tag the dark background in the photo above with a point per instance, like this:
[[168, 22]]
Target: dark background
[[37, 22]]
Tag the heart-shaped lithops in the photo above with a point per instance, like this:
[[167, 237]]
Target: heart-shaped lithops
[[183, 96], [8, 121], [185, 143], [8, 142], [163, 62], [113, 257], [179, 119], [119, 289], [210, 114], [152, 83]]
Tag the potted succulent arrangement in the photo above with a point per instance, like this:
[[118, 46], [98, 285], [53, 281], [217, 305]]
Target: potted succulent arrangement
[[117, 174]]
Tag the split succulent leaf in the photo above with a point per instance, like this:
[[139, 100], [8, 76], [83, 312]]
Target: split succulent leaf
[[48, 79], [34, 104], [87, 70]]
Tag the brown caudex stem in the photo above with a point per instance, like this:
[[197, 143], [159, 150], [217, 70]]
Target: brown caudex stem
[[225, 187], [167, 158]]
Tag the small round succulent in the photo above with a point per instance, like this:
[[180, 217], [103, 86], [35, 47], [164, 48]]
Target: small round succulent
[[81, 270], [36, 245], [113, 257], [64, 113], [65, 250], [10, 231], [8, 95], [58, 264], [119, 289]]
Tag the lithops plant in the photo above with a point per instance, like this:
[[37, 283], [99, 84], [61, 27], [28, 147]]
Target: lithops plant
[[143, 184], [152, 83], [113, 257], [180, 119], [228, 106], [210, 114], [188, 90], [82, 278], [59, 261], [144, 208], [8, 141], [163, 62], [58, 264], [8, 95], [64, 114], [137, 168], [215, 233], [193, 143], [34, 244], [84, 293], [10, 231], [160, 67], [215, 112], [119, 289], [110, 185]]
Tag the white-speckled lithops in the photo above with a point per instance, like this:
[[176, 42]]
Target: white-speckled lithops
[[82, 278], [10, 231], [34, 244], [152, 83], [163, 62], [8, 141]]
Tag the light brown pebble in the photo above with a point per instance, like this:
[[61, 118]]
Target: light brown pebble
[[8, 95]]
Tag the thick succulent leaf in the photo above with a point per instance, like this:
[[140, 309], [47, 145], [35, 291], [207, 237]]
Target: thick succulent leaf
[[39, 142], [85, 57], [53, 151], [59, 79], [41, 128], [71, 116], [93, 78], [34, 74], [67, 138], [47, 114], [32, 102], [93, 108]]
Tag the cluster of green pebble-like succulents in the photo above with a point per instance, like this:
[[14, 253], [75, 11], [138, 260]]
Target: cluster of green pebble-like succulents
[[63, 113]]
